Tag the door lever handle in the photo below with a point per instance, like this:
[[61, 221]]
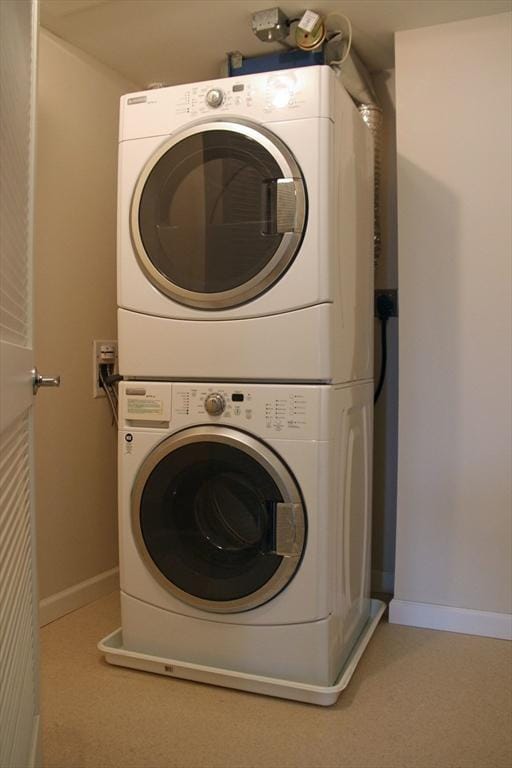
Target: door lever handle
[[43, 381]]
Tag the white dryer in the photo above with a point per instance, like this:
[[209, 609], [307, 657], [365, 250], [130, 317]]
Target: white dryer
[[245, 228], [245, 524]]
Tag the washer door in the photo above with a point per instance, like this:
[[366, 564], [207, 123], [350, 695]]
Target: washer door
[[218, 519], [218, 214]]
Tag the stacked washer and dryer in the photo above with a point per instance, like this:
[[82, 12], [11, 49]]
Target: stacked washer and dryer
[[245, 292]]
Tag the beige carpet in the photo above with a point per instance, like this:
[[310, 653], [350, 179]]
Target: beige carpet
[[419, 699]]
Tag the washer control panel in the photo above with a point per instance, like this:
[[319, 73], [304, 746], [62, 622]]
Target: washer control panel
[[271, 409], [276, 410], [218, 402]]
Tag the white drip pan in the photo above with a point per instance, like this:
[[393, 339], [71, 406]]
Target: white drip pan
[[115, 653]]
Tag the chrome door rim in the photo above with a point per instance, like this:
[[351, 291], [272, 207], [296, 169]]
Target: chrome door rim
[[279, 473], [284, 254]]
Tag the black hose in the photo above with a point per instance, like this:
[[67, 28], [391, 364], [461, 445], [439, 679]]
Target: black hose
[[385, 308], [384, 357]]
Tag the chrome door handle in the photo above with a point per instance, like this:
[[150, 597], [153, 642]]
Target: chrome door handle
[[287, 519], [43, 381]]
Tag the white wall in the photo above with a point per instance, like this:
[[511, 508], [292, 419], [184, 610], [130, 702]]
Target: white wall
[[75, 302], [454, 535]]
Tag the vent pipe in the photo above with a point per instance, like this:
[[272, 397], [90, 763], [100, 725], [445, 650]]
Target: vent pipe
[[341, 56]]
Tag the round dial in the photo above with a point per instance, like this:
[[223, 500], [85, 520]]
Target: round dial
[[214, 404], [214, 97]]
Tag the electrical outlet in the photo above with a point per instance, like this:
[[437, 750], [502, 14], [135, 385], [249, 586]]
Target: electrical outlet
[[391, 294], [103, 352]]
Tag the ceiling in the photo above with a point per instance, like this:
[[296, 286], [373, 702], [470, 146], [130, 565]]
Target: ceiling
[[175, 41]]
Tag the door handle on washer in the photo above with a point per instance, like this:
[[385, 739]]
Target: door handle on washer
[[288, 517]]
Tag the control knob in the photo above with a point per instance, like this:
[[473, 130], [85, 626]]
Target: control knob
[[214, 404], [214, 97]]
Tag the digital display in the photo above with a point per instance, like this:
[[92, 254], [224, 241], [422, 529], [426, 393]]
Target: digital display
[[238, 87], [237, 398]]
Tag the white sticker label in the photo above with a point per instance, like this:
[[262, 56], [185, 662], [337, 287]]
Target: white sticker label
[[144, 408], [309, 21]]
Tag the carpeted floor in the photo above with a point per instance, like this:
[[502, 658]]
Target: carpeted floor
[[419, 699]]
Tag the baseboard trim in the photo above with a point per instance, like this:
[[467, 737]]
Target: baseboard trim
[[35, 758], [383, 581], [450, 619], [55, 606]]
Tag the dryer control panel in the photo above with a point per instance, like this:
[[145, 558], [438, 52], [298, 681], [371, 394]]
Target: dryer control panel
[[274, 92], [203, 99], [290, 94]]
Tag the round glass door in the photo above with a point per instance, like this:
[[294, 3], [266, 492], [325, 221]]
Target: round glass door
[[218, 214], [218, 519]]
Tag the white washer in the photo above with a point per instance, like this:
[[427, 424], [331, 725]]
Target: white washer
[[245, 530], [245, 231]]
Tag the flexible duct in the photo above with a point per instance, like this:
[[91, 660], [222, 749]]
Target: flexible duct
[[372, 115]]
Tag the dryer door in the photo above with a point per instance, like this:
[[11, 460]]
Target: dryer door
[[218, 214], [218, 519]]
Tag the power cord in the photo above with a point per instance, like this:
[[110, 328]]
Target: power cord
[[385, 310], [107, 381]]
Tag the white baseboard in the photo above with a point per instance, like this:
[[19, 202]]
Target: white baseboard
[[383, 581], [36, 758], [68, 600], [450, 619]]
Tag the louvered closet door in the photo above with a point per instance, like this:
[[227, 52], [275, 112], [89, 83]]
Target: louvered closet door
[[19, 700]]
